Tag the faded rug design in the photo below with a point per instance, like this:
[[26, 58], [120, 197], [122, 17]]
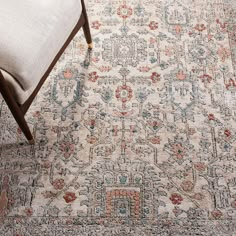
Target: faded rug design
[[137, 137]]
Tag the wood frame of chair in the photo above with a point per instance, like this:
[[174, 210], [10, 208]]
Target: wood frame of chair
[[19, 110]]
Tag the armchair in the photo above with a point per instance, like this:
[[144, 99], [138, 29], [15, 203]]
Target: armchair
[[33, 36]]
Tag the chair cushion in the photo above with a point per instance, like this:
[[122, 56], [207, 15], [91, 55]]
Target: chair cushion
[[19, 94], [32, 33]]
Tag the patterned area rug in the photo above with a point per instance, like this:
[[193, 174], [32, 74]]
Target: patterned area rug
[[137, 137]]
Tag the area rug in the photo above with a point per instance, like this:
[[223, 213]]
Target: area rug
[[137, 137]]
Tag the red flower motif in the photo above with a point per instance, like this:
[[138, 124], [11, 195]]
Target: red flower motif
[[222, 25], [231, 85], [155, 77], [211, 117], [154, 124], [152, 40], [181, 75], [178, 150], [227, 133], [68, 149], [224, 53], [187, 186], [124, 11], [91, 123], [69, 197], [200, 166], [68, 74], [200, 27], [153, 25], [217, 214], [124, 93], [143, 68], [105, 68], [96, 24], [233, 204], [198, 196], [58, 184], [176, 198], [205, 78], [46, 164], [29, 211], [155, 140], [36, 114], [93, 76], [91, 139]]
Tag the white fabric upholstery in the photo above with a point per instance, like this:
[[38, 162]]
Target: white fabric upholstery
[[19, 94], [31, 34]]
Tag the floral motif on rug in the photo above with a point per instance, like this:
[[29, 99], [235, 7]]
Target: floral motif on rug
[[137, 137]]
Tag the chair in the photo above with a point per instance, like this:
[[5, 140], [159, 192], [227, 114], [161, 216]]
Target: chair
[[33, 36]]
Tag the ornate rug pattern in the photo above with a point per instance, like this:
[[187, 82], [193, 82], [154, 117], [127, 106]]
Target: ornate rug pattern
[[137, 137]]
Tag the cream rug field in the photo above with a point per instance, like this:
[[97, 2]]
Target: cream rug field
[[137, 137]]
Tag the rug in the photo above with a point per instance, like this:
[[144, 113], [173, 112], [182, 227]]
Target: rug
[[137, 137]]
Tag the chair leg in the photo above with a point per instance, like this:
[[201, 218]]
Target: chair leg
[[15, 110], [86, 27], [87, 35]]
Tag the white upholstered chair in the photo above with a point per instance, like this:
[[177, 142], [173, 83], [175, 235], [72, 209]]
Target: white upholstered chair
[[33, 35]]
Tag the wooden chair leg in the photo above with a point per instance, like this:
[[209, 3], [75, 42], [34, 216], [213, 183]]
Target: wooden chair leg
[[86, 27], [15, 110]]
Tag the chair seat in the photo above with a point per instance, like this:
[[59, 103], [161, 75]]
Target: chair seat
[[18, 93], [32, 33]]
